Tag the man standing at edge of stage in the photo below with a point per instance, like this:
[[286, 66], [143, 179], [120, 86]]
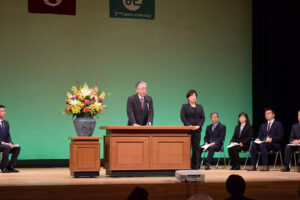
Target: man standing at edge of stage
[[289, 150], [6, 145], [140, 107]]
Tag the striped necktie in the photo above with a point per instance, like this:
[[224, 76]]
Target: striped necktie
[[268, 131], [142, 103]]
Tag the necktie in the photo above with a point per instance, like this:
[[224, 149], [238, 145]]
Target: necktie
[[3, 128], [213, 128], [142, 103], [268, 130]]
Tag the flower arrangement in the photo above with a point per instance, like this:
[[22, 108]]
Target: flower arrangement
[[84, 101]]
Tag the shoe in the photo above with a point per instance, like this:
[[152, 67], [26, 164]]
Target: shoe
[[207, 167], [286, 169], [5, 170], [265, 168], [235, 168], [12, 169], [253, 168]]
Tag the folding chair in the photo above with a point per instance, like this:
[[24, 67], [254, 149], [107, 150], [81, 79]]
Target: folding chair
[[295, 159], [221, 151], [275, 162], [248, 154]]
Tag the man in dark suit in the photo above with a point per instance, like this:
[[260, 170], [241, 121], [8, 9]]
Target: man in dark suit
[[289, 150], [214, 138], [7, 146], [140, 107], [269, 139]]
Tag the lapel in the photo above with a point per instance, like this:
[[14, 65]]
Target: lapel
[[1, 128], [210, 133], [144, 103], [210, 129], [298, 130], [218, 126], [237, 131]]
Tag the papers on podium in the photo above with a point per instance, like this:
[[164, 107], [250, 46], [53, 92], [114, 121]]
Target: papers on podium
[[205, 147], [233, 145]]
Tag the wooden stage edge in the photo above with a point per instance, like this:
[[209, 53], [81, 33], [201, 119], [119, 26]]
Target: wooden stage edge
[[56, 183]]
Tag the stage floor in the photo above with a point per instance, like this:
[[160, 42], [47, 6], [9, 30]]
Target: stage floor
[[61, 176], [49, 183]]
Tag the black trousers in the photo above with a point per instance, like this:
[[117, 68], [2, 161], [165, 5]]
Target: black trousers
[[6, 150], [195, 143], [234, 155], [211, 151], [264, 148], [289, 150]]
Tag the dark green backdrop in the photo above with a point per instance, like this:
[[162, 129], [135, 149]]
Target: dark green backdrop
[[199, 44]]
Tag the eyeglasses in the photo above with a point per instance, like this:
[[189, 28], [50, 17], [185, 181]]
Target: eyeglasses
[[142, 88]]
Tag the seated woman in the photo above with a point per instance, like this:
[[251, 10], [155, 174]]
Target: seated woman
[[242, 137]]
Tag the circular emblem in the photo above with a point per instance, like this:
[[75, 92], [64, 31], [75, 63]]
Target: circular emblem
[[52, 3], [132, 5]]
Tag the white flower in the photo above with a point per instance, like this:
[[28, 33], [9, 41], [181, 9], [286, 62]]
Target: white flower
[[85, 92], [74, 102], [98, 104]]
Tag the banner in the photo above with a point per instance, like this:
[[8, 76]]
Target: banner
[[140, 9]]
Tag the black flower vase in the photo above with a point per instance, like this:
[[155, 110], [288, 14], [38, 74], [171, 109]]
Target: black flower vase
[[84, 125]]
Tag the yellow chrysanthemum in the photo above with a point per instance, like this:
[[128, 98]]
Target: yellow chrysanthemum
[[76, 109]]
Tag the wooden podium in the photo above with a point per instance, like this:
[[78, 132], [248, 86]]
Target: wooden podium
[[84, 156], [146, 150]]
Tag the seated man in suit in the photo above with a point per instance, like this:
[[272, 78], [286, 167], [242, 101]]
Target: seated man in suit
[[214, 137], [269, 139], [6, 145], [294, 139], [140, 107]]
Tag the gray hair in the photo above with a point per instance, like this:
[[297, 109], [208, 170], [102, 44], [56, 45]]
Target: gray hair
[[139, 83], [200, 196]]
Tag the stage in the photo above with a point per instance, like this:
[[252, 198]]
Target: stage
[[56, 183]]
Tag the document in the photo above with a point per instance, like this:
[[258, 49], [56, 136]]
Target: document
[[294, 145], [233, 145], [14, 146], [205, 147], [259, 142]]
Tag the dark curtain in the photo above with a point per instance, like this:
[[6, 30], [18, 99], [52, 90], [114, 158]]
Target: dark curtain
[[276, 55]]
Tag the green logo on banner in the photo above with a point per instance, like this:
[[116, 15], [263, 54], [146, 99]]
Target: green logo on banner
[[141, 9]]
